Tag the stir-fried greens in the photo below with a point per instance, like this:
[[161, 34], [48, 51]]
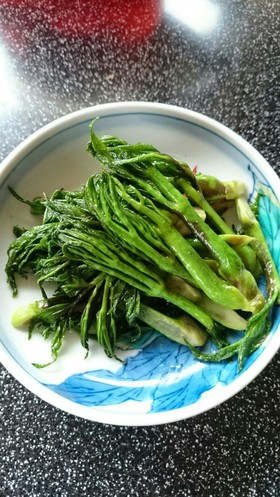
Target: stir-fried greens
[[144, 243]]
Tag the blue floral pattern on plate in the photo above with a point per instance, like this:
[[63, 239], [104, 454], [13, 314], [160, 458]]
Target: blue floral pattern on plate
[[164, 373]]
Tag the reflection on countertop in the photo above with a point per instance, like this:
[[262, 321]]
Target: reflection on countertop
[[216, 58]]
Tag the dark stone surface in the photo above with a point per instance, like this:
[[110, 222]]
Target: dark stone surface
[[57, 57]]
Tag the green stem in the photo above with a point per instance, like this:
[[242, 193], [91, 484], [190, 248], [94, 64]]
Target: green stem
[[177, 329]]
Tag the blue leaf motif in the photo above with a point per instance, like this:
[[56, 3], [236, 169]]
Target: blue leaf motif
[[163, 374]]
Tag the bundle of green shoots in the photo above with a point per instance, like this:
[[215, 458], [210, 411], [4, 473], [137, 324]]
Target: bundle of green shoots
[[144, 243]]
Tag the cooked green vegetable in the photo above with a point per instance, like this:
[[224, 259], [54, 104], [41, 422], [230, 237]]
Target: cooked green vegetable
[[144, 241], [180, 329], [151, 172]]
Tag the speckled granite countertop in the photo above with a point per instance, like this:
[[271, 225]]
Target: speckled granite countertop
[[218, 58]]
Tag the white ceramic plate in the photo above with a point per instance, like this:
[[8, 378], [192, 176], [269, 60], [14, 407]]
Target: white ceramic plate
[[160, 382]]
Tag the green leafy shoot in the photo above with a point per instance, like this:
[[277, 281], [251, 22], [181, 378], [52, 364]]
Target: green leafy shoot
[[144, 232]]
